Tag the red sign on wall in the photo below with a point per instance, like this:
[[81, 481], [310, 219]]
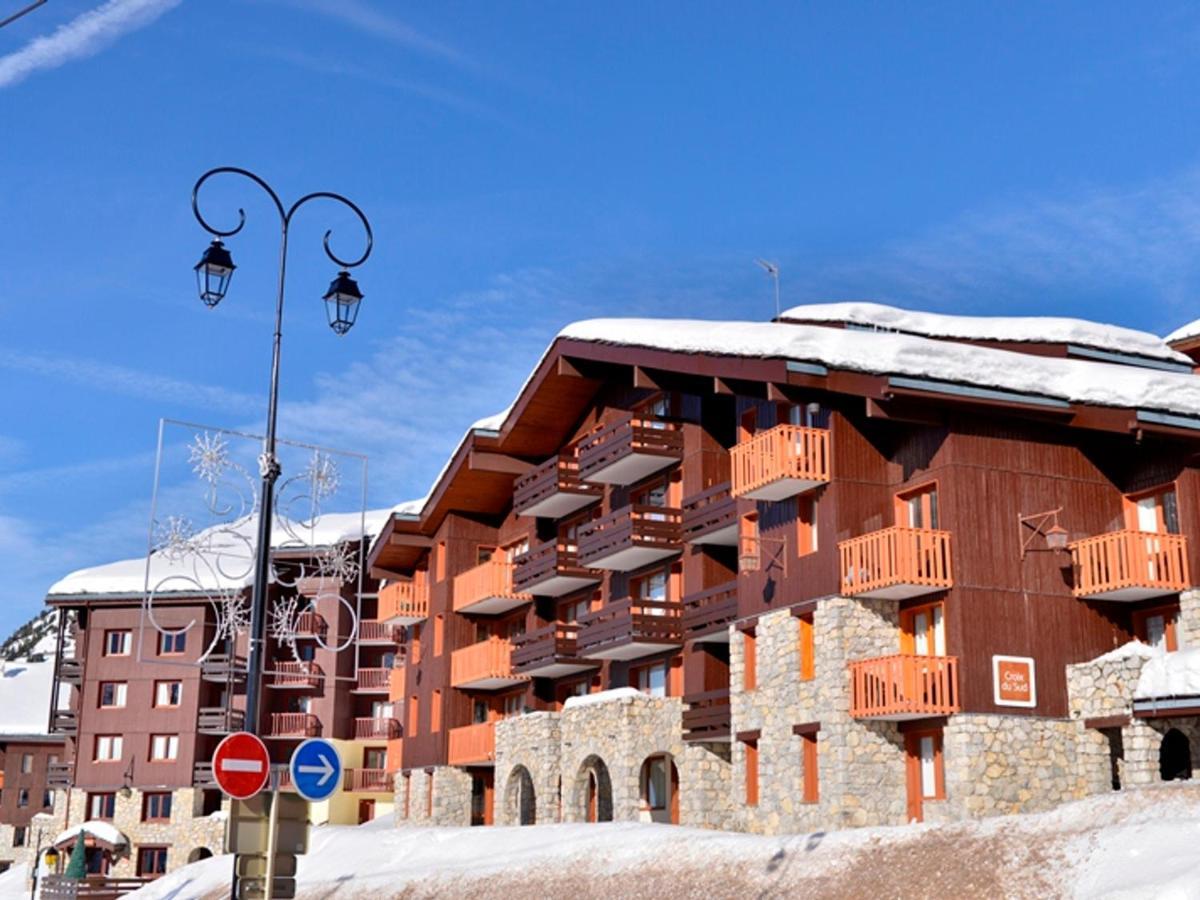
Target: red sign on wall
[[1013, 681]]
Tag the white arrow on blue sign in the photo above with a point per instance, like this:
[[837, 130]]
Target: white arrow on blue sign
[[316, 769]]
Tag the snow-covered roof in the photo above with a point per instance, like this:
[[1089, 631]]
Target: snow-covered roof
[[1135, 649], [25, 696], [887, 353], [222, 563], [1170, 675], [101, 831], [1183, 332], [621, 693]]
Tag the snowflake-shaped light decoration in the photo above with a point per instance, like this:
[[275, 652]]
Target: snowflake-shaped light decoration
[[338, 562], [323, 475], [235, 616], [209, 457], [174, 538], [283, 622]]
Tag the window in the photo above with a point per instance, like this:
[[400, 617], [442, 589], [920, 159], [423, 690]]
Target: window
[[751, 752], [650, 680], [1157, 626], [514, 628], [658, 408], [413, 715], [1156, 511], [484, 553], [47, 799], [112, 694], [652, 495], [435, 712], [108, 748], [571, 612], [18, 838], [164, 747], [168, 693], [440, 561], [156, 807], [172, 643], [809, 415], [101, 806], [651, 587], [808, 756], [439, 627], [925, 751], [117, 643], [514, 704], [654, 788], [151, 862], [515, 549], [922, 631], [918, 508], [806, 525], [480, 712], [23, 797], [26, 763], [808, 661], [749, 661]]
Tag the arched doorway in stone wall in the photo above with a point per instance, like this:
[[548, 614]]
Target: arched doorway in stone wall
[[593, 791], [520, 801], [658, 787], [198, 854], [1175, 756]]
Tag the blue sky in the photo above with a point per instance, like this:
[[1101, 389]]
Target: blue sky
[[525, 165]]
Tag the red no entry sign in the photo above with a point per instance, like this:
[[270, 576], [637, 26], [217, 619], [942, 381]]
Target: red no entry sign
[[241, 765]]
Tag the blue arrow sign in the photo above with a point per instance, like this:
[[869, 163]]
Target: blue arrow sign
[[316, 769]]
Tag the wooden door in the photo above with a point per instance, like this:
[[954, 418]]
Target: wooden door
[[366, 811], [674, 788], [591, 797]]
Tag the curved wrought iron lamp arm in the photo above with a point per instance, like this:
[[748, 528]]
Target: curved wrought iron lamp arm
[[326, 195], [232, 170]]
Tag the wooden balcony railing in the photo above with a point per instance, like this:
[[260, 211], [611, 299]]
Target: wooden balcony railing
[[404, 602], [311, 624], [554, 489], [304, 675], [628, 629], [1130, 565], [377, 781], [375, 632], [484, 666], [904, 686], [472, 745], [376, 728], [223, 668], [549, 652], [707, 716], [711, 517], [64, 721], [202, 775], [631, 537], [373, 681], [92, 887], [552, 569], [710, 611], [70, 671], [282, 725], [896, 563], [628, 450], [219, 720], [781, 462], [487, 589], [58, 775]]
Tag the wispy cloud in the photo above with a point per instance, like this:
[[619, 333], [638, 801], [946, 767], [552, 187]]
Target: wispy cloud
[[85, 35]]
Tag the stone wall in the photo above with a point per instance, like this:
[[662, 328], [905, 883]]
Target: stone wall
[[451, 800], [1103, 687], [531, 744], [1187, 629]]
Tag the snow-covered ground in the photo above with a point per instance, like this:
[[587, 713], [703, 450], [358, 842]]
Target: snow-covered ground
[[1136, 844]]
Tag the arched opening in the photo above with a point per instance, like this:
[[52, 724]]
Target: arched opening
[[1175, 757], [519, 797], [593, 791], [659, 789], [198, 854]]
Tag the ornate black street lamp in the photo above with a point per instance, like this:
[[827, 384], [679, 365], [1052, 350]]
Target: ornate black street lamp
[[213, 274]]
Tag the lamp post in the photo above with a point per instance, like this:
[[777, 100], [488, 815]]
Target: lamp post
[[213, 274]]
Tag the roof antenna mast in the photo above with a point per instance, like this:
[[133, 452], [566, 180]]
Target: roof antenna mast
[[772, 269]]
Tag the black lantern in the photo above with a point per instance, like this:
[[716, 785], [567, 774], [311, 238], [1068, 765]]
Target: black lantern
[[341, 302], [213, 273]]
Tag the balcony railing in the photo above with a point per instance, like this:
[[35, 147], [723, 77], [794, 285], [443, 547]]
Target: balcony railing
[[552, 569], [376, 781], [628, 629], [1130, 565], [711, 517], [311, 624], [484, 666], [376, 728], [708, 613], [634, 536], [554, 489], [373, 681], [219, 720], [896, 563], [70, 671], [404, 603], [487, 589], [707, 716], [202, 775], [782, 462], [289, 725], [64, 721], [904, 686], [549, 652], [301, 675], [58, 775], [374, 632], [628, 450], [223, 668], [473, 745]]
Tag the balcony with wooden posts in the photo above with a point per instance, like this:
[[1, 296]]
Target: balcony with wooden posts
[[552, 569], [904, 686], [219, 720], [711, 517], [1130, 565], [293, 725], [896, 563], [375, 633], [484, 666], [70, 671], [631, 537], [404, 602], [372, 781], [373, 681], [630, 629], [708, 613], [303, 676], [202, 775], [707, 716], [554, 489], [223, 668], [473, 745], [487, 589], [549, 652], [628, 450], [310, 624], [64, 721], [58, 775], [376, 728], [784, 461]]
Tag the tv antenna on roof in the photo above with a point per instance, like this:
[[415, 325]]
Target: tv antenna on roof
[[772, 269]]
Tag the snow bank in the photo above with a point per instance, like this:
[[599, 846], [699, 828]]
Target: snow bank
[[884, 353], [1183, 332], [1134, 649], [25, 696], [1044, 329], [1170, 675], [601, 697], [101, 831]]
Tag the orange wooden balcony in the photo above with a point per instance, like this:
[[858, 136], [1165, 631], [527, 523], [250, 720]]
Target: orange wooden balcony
[[484, 666], [629, 629], [375, 632], [1130, 565], [903, 687], [631, 537], [554, 489], [487, 589], [375, 781], [404, 602], [896, 563], [290, 725], [629, 450], [473, 745], [297, 675], [711, 517], [782, 462], [373, 681], [549, 652], [552, 569], [376, 728], [709, 613]]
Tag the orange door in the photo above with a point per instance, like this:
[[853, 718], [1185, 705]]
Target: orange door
[[591, 797], [924, 777], [674, 793], [912, 778]]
